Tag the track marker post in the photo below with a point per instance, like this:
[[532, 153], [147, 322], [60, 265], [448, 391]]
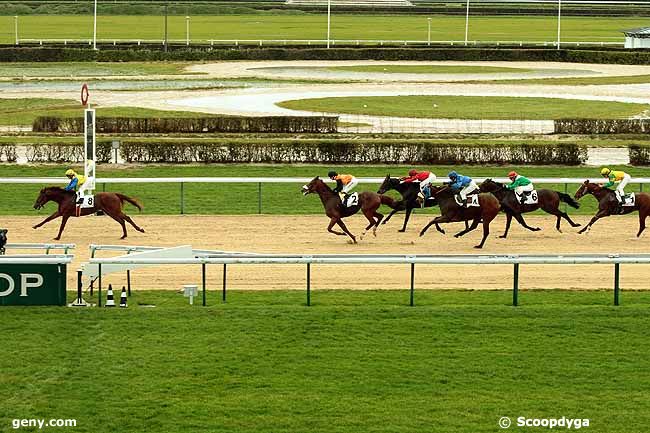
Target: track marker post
[[203, 272], [412, 284], [309, 284], [617, 288], [223, 290], [515, 286]]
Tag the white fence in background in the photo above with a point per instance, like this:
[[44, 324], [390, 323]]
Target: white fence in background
[[41, 247]]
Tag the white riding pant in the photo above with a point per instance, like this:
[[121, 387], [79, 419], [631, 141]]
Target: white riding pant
[[81, 193], [524, 188], [426, 182], [620, 188], [468, 189], [350, 186]]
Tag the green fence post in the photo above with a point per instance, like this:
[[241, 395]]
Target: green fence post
[[182, 198], [103, 187], [99, 286], [640, 187], [515, 286], [223, 294], [203, 280], [617, 289], [259, 198], [308, 284]]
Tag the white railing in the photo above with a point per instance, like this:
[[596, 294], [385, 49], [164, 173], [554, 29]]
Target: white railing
[[36, 259], [412, 260], [137, 249], [46, 247]]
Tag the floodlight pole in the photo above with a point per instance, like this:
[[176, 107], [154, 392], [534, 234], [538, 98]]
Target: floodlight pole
[[16, 27], [187, 29], [329, 12], [95, 27], [467, 22], [559, 21], [429, 31]]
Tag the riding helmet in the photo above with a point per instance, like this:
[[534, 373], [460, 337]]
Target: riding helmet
[[413, 172], [70, 172], [452, 175], [512, 174], [332, 174], [605, 171]]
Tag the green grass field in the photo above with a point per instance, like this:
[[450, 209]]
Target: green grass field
[[577, 81], [241, 199], [425, 69], [89, 69], [469, 107], [356, 26], [354, 361]]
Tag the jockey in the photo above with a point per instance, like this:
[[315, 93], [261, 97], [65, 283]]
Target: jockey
[[521, 185], [620, 177], [463, 183], [77, 183], [425, 178], [344, 183]]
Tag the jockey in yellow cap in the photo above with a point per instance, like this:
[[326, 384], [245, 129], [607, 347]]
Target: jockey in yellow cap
[[77, 183], [616, 176]]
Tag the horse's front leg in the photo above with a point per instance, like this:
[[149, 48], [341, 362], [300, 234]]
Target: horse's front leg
[[47, 220], [63, 222], [436, 221], [333, 221], [407, 216], [601, 213]]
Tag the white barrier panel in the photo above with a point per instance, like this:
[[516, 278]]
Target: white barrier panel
[[152, 257]]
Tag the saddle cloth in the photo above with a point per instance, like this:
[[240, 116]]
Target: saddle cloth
[[472, 200], [351, 200], [532, 197], [629, 199]]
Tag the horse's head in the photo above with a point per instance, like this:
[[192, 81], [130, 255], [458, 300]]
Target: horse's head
[[386, 185], [48, 194], [488, 185], [313, 186], [586, 188]]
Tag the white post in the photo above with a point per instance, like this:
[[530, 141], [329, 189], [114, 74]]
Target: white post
[[429, 31], [559, 21], [329, 10], [16, 27], [467, 22], [187, 29], [95, 28]]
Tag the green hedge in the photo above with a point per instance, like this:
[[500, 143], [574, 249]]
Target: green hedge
[[155, 53], [227, 124], [65, 152], [356, 152], [639, 154], [602, 126], [8, 153]]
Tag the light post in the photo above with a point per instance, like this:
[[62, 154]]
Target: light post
[[187, 29], [559, 21], [329, 12], [95, 27], [16, 27], [429, 31], [466, 22]]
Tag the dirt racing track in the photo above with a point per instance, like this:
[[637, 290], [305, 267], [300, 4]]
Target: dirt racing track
[[307, 234]]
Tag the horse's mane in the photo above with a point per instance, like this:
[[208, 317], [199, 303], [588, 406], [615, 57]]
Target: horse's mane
[[56, 188]]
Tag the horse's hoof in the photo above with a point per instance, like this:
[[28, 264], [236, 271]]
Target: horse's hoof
[[478, 246], [502, 237], [141, 230], [401, 231], [35, 227], [536, 229], [374, 233], [123, 237]]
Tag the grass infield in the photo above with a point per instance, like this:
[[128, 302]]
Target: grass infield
[[354, 361], [469, 107], [426, 69], [242, 199]]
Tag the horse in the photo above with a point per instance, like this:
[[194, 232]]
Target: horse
[[548, 200], [607, 203], [369, 202], [108, 202], [452, 212], [409, 192]]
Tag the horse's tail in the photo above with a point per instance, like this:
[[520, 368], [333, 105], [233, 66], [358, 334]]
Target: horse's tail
[[388, 201], [133, 201], [566, 198]]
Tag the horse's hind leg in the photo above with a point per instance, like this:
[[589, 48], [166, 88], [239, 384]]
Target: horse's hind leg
[[130, 221], [642, 218], [120, 221], [487, 219], [379, 218]]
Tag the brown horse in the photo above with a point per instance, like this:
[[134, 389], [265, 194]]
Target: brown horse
[[369, 202], [108, 202], [547, 200], [452, 212], [607, 203]]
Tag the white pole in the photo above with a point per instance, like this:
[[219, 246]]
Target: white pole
[[429, 32], [187, 29], [467, 22], [16, 27], [329, 11], [95, 28], [559, 21]]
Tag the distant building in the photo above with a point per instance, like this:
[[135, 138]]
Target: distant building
[[637, 38]]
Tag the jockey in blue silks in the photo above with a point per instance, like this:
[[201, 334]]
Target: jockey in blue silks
[[464, 184]]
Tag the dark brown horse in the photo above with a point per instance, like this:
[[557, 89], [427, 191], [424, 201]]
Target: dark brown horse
[[547, 200], [409, 192], [452, 212], [108, 202], [607, 204], [369, 202]]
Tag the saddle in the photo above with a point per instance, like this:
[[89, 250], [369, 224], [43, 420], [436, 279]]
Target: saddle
[[472, 201], [350, 200]]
